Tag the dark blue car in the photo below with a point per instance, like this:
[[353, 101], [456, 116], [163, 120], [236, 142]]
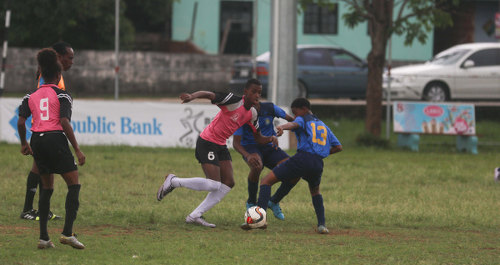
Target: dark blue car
[[322, 72]]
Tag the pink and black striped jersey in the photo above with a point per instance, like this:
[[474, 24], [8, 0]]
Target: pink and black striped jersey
[[48, 104], [232, 115]]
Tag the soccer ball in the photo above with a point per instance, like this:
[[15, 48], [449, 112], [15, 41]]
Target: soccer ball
[[255, 217]]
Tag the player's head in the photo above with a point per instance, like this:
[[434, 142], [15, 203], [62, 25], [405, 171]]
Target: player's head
[[65, 54], [301, 107], [252, 92], [49, 65]]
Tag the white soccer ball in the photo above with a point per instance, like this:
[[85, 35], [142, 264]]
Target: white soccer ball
[[255, 217]]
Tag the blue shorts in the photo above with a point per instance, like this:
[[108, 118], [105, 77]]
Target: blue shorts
[[302, 165], [269, 154]]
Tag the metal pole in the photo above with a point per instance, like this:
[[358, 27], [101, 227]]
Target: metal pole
[[388, 92], [117, 46], [193, 21], [4, 51], [254, 37]]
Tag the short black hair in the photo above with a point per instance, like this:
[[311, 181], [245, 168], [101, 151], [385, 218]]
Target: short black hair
[[301, 102], [61, 47], [49, 65], [252, 81]]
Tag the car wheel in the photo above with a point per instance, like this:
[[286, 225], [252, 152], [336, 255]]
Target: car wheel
[[302, 90], [436, 92]]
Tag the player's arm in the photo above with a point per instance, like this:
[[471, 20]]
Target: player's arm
[[289, 118], [262, 140], [286, 126], [68, 130], [335, 149], [252, 159], [186, 97], [21, 129]]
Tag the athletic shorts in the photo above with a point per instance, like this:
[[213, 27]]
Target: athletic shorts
[[208, 152], [302, 165], [52, 153], [269, 154]]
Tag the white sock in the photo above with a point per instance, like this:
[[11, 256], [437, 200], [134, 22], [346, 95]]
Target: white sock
[[198, 184], [211, 200]]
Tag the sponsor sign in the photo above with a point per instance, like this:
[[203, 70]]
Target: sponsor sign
[[434, 118], [134, 123]]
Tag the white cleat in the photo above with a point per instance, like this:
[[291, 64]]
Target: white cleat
[[72, 241], [199, 220], [42, 244], [166, 187]]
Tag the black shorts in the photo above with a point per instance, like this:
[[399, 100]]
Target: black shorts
[[52, 153], [302, 165], [269, 154], [208, 152]]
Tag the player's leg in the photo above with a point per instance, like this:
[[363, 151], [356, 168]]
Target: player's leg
[[72, 204], [214, 197], [46, 194], [253, 176], [319, 209], [32, 182]]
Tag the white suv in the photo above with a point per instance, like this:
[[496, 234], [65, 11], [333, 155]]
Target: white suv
[[466, 71]]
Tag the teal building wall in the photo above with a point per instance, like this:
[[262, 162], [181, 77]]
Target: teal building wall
[[207, 31]]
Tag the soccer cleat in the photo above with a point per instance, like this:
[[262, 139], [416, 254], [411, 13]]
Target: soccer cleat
[[30, 215], [51, 217], [72, 241], [275, 207], [497, 174], [42, 244], [249, 204], [246, 226], [199, 220], [166, 187], [322, 229]]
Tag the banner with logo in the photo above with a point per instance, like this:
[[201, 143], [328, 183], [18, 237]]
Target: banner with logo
[[134, 123], [434, 118]]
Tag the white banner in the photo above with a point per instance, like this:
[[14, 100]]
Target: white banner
[[134, 123]]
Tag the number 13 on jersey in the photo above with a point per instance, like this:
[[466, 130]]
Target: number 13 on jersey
[[319, 134]]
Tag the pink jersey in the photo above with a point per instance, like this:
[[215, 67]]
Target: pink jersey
[[232, 116], [48, 104]]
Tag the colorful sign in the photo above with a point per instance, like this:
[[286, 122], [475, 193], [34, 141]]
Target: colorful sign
[[434, 118]]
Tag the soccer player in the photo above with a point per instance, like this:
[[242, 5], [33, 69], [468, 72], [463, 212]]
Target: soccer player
[[65, 55], [315, 142], [50, 108], [257, 156], [211, 150]]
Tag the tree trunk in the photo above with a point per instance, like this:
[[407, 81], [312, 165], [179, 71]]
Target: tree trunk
[[379, 32]]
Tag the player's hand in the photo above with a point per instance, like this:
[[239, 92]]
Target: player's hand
[[185, 97], [81, 157], [254, 160], [274, 140], [26, 149], [279, 131]]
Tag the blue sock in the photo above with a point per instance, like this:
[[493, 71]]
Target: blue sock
[[319, 208], [252, 192], [282, 191], [264, 194]]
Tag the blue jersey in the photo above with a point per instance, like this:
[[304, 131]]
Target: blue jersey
[[314, 136], [267, 112]]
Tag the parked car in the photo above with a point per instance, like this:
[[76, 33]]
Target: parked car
[[466, 71], [322, 71]]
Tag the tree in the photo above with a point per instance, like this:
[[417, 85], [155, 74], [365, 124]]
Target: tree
[[413, 19]]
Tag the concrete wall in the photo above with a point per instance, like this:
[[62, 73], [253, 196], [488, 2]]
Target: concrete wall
[[141, 73]]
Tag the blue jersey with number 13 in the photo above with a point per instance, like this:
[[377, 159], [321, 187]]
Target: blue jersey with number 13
[[314, 136]]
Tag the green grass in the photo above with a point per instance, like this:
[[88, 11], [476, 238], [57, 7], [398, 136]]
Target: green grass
[[383, 206]]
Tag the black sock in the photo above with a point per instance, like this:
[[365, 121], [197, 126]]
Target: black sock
[[43, 212], [264, 194], [252, 191], [72, 205], [282, 191], [31, 184], [319, 208]]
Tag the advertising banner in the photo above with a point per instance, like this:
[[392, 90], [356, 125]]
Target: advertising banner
[[133, 123], [434, 118]]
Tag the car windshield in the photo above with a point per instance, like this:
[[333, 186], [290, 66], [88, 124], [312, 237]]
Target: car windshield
[[447, 58]]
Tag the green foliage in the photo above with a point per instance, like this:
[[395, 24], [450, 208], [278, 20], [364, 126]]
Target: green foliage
[[367, 139]]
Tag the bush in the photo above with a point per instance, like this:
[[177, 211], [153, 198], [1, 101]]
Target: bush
[[367, 139]]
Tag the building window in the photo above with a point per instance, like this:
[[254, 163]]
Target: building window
[[320, 19]]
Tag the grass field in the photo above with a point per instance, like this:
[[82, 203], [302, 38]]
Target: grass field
[[383, 206]]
